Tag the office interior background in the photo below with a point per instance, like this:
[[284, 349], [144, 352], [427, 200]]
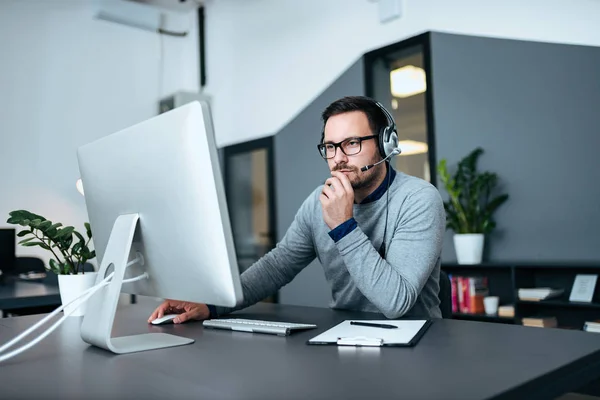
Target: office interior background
[[521, 79], [518, 78]]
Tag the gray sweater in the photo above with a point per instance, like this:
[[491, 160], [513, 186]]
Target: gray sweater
[[405, 283]]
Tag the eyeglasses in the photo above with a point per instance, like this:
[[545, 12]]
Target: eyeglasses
[[349, 147]]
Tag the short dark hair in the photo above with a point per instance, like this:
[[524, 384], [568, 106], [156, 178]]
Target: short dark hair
[[375, 115]]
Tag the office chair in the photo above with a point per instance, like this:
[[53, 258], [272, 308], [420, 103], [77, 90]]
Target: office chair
[[445, 295]]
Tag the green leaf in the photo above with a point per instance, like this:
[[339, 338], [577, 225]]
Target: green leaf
[[76, 248], [29, 239], [41, 244], [495, 203], [64, 232], [88, 230], [22, 217], [55, 226], [24, 233], [45, 225], [54, 266], [52, 231], [65, 242], [79, 236]]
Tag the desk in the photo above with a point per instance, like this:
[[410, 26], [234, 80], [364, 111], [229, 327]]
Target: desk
[[454, 360], [17, 294]]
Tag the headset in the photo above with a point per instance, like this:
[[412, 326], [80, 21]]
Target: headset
[[387, 137]]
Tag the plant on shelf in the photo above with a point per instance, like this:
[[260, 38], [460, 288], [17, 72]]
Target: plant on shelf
[[471, 205], [69, 255]]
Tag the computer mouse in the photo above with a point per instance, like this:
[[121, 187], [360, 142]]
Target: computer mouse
[[166, 319]]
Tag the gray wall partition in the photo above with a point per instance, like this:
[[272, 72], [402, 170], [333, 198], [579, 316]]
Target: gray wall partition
[[534, 109], [298, 171]]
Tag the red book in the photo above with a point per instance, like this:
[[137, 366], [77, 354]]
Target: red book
[[464, 291], [454, 283]]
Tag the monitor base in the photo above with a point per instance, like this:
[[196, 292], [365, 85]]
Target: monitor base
[[147, 341], [99, 317]]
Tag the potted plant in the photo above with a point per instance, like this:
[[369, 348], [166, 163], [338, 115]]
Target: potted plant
[[471, 206], [70, 251]]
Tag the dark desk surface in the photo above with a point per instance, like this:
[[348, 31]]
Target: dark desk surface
[[15, 293], [454, 360]]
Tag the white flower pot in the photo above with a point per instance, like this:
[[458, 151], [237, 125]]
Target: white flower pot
[[469, 247], [71, 286]]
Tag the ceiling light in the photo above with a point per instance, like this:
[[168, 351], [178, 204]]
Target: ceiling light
[[412, 147], [407, 81]]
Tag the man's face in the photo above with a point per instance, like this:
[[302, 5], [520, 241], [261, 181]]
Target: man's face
[[352, 124]]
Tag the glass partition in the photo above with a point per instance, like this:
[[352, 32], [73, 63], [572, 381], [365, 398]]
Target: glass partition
[[397, 77]]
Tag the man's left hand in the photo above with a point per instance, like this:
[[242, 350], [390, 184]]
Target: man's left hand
[[337, 199]]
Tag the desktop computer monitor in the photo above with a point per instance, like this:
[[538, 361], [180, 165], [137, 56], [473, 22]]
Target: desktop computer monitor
[[155, 191]]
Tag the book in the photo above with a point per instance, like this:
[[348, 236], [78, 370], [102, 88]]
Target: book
[[536, 294], [592, 326], [506, 311], [540, 322], [454, 285], [468, 294]]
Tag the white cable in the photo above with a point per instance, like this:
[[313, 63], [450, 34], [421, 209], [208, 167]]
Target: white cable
[[45, 333], [60, 321], [59, 309], [48, 331], [52, 314], [93, 290]]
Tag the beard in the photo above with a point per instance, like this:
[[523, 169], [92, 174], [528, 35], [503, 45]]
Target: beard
[[358, 179]]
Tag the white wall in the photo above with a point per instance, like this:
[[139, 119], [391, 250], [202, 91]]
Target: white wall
[[268, 59], [67, 79]]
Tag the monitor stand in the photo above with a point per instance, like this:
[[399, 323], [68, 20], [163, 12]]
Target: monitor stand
[[100, 311]]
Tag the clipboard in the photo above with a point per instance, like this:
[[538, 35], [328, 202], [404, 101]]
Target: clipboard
[[407, 334]]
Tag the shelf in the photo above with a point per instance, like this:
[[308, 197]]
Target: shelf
[[560, 303], [483, 317], [505, 278]]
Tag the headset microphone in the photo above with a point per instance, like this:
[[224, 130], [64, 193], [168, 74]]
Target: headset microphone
[[368, 167]]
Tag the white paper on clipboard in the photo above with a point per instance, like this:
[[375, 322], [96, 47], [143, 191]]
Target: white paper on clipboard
[[347, 334]]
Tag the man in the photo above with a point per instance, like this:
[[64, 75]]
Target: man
[[378, 233]]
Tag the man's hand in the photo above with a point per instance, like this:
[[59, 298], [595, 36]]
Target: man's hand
[[337, 199], [185, 310]]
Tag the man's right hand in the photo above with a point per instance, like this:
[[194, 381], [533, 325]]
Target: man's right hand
[[186, 311]]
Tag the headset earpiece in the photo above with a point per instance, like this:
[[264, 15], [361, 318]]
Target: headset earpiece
[[388, 136]]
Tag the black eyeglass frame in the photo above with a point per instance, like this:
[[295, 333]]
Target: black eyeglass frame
[[323, 150]]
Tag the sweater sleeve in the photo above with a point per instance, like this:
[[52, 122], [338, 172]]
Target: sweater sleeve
[[278, 267], [394, 283]]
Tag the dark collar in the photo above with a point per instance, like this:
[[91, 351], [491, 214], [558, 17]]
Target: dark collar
[[380, 191]]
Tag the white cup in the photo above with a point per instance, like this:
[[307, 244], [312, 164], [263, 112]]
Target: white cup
[[490, 304]]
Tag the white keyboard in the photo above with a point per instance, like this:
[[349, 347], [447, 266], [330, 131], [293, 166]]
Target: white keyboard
[[256, 326]]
